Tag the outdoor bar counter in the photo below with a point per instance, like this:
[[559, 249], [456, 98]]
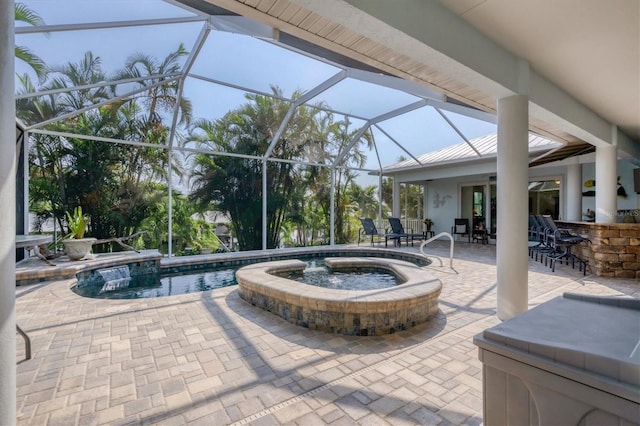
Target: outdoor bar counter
[[614, 250]]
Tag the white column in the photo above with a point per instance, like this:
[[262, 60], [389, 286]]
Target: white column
[[406, 200], [264, 204], [8, 222], [425, 201], [380, 197], [169, 203], [512, 257], [574, 191], [395, 209], [332, 208], [606, 183]]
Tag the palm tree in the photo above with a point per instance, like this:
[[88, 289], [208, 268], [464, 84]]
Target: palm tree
[[161, 98], [73, 74], [341, 135], [113, 183], [28, 16], [366, 199], [234, 185]]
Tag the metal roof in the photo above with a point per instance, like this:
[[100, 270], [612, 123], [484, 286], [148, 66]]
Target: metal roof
[[486, 145]]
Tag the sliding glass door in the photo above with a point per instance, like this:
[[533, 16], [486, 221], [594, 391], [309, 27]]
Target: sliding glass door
[[473, 205], [479, 203]]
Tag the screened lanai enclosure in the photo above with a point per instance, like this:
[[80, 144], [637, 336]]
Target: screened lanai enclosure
[[196, 129]]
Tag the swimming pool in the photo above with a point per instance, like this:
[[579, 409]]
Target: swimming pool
[[118, 283], [357, 312]]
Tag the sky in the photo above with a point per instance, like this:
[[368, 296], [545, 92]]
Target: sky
[[240, 60]]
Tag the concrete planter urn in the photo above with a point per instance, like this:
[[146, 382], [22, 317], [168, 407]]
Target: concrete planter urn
[[75, 245], [78, 248]]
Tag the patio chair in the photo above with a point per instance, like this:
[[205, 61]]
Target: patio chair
[[369, 229], [537, 234], [398, 229], [561, 240], [461, 227]]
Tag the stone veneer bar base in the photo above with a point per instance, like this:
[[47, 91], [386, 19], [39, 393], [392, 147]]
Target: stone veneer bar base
[[351, 312], [614, 250]]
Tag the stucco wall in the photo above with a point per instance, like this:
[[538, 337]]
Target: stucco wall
[[625, 171], [442, 204], [443, 195]]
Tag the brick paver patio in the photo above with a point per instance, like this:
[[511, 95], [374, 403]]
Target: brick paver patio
[[210, 358]]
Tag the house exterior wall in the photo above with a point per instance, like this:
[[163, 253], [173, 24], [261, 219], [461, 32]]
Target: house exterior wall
[[442, 204], [625, 171], [443, 186]]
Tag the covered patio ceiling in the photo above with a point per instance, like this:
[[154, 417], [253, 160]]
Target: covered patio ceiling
[[345, 70], [578, 60]]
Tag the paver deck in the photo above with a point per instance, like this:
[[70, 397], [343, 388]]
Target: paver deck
[[212, 359]]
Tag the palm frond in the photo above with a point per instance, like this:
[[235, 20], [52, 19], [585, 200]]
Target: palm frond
[[24, 14]]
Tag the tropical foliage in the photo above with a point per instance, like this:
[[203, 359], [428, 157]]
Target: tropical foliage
[[77, 223], [123, 188], [116, 184], [234, 184], [297, 196], [26, 15]]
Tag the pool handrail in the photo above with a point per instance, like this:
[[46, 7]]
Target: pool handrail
[[435, 237]]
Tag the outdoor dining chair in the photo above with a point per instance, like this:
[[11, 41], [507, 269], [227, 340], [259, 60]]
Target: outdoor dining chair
[[461, 227]]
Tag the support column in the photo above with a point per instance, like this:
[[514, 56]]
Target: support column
[[574, 191], [8, 222], [264, 204], [395, 208], [512, 257], [406, 200], [169, 203], [606, 183], [425, 201], [332, 209], [380, 197]]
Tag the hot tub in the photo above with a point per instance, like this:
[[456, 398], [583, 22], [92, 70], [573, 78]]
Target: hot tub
[[352, 312]]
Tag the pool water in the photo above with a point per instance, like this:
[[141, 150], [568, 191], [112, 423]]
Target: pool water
[[117, 284], [158, 285], [361, 279]]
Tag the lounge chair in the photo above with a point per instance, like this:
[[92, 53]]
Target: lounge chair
[[461, 227], [398, 229], [369, 229]]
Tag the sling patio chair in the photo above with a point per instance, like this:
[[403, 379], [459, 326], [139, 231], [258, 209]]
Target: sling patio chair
[[369, 230], [461, 227], [398, 229], [538, 233], [561, 240]]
